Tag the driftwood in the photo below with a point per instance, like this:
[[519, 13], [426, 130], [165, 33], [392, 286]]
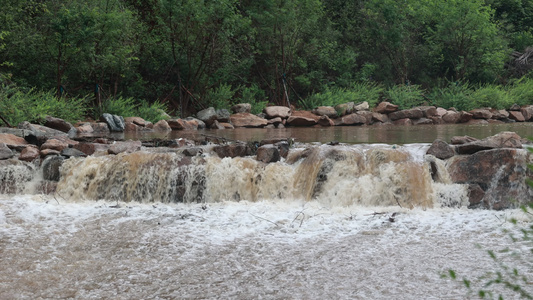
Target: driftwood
[[522, 63]]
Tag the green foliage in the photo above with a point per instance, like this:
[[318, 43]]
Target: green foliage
[[219, 97], [455, 94], [405, 96], [490, 95], [152, 112], [521, 91], [129, 107], [121, 106], [255, 96], [17, 106], [358, 92]]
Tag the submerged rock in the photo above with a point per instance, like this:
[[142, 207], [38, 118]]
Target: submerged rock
[[51, 166]]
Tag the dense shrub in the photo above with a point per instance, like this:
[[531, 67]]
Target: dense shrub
[[17, 106], [405, 96], [358, 92], [129, 107], [521, 91], [489, 95], [455, 95]]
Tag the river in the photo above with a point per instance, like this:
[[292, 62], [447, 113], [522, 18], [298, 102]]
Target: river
[[113, 230]]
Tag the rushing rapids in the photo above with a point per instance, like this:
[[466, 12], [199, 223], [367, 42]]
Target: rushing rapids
[[367, 175]]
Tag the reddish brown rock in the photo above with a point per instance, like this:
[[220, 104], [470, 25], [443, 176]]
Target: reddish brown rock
[[325, 121], [130, 127], [379, 117], [353, 119], [29, 153], [181, 124], [301, 121], [428, 111], [500, 173], [406, 114], [247, 120], [367, 115], [226, 125], [216, 125], [501, 140], [527, 112], [232, 150], [385, 108], [516, 115], [274, 121], [328, 111], [91, 148], [441, 150], [58, 124], [12, 141], [451, 117], [277, 111], [441, 112], [54, 144], [499, 114], [477, 122], [85, 128], [481, 113], [137, 121], [464, 117], [162, 126], [47, 152], [268, 153]]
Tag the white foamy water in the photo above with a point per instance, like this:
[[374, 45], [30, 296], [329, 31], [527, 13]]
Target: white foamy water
[[56, 249]]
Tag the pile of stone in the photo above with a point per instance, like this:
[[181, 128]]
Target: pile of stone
[[495, 168]]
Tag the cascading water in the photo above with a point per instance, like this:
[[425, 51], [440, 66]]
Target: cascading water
[[324, 223], [337, 176]]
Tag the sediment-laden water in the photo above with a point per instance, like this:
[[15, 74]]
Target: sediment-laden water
[[56, 249], [346, 222]]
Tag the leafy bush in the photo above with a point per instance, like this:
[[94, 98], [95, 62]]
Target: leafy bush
[[453, 95], [489, 96], [358, 92], [405, 96], [255, 96], [117, 106], [219, 97], [129, 107], [521, 91], [33, 106], [152, 112]]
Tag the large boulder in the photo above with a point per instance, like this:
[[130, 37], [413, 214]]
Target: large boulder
[[181, 124], [58, 124], [247, 120], [277, 111], [38, 134], [429, 111], [91, 148], [51, 166], [451, 117], [223, 115], [353, 119], [208, 115], [481, 113], [268, 153], [504, 139], [406, 114], [527, 112], [54, 144], [516, 115], [114, 122], [361, 106], [302, 118], [386, 107], [328, 111], [440, 149], [500, 173], [12, 141], [137, 121], [233, 150], [499, 114], [29, 153], [5, 152], [162, 125]]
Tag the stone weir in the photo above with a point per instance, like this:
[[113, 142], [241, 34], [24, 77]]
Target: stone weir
[[490, 173]]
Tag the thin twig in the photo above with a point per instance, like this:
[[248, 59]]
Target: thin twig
[[263, 219]]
